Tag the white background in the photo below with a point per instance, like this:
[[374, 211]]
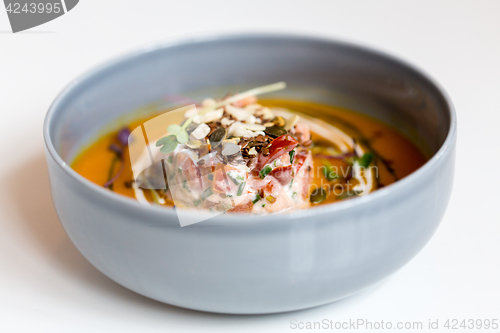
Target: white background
[[47, 286]]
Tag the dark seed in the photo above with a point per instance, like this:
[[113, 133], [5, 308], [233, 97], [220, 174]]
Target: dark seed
[[217, 137], [279, 121], [275, 131], [191, 127], [318, 196], [205, 149]]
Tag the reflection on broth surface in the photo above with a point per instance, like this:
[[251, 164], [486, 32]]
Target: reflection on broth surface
[[238, 154]]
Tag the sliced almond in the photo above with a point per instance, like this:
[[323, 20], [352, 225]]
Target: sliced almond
[[236, 129], [226, 121], [230, 149], [252, 151], [233, 140], [252, 108], [201, 131], [266, 113], [194, 144], [254, 127], [250, 119], [291, 122], [212, 116], [238, 113]]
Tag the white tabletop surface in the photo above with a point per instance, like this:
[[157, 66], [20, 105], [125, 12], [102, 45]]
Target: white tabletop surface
[[47, 286]]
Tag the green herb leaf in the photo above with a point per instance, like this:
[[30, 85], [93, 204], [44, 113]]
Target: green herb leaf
[[174, 129], [182, 137], [263, 205], [165, 140], [328, 171], [208, 192], [292, 154], [236, 179], [210, 176], [348, 195], [197, 202], [365, 160], [264, 172], [257, 198], [240, 189], [170, 159], [169, 144]]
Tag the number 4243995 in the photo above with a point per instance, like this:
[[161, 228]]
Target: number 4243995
[[16, 8], [455, 324]]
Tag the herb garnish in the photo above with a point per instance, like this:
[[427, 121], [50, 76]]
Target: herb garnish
[[292, 154], [236, 179], [208, 192], [178, 134], [257, 198], [328, 171], [264, 172], [365, 160], [240, 189]]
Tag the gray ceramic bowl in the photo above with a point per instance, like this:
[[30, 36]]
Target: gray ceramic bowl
[[247, 264]]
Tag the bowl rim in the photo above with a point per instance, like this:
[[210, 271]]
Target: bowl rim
[[130, 203]]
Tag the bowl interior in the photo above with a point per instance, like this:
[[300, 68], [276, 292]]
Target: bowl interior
[[318, 70]]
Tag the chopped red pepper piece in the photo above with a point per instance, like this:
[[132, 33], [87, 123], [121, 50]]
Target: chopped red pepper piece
[[283, 174], [279, 146]]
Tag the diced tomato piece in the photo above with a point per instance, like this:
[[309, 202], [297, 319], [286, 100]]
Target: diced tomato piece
[[189, 169], [283, 174], [302, 132], [220, 184], [302, 172], [279, 146], [300, 158], [244, 207]]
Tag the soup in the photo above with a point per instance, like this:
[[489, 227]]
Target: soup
[[240, 154]]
